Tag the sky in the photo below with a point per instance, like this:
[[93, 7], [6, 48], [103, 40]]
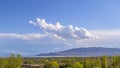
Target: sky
[[30, 27]]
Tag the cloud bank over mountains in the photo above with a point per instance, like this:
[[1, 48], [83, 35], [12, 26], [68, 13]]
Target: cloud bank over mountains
[[56, 37], [65, 32]]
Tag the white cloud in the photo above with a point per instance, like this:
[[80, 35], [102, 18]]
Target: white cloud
[[22, 36], [30, 22], [65, 32], [108, 38]]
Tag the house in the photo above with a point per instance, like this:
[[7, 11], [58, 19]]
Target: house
[[32, 66]]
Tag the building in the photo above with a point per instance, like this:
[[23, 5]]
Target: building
[[32, 65]]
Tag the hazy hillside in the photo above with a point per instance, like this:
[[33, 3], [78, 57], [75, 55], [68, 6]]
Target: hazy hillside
[[91, 51]]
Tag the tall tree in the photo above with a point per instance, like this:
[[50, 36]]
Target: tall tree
[[19, 61], [87, 63], [104, 62]]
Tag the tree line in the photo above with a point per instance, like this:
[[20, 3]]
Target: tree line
[[15, 61], [102, 62]]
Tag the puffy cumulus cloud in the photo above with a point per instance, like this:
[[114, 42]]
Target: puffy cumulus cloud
[[22, 36], [65, 32]]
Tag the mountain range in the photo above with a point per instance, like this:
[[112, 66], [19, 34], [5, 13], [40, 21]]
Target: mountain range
[[82, 52]]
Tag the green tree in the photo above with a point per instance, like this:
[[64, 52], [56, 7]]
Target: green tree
[[52, 64], [87, 63], [104, 62], [19, 61], [77, 65], [68, 64], [95, 63], [98, 63], [14, 61], [11, 61], [115, 61], [3, 63]]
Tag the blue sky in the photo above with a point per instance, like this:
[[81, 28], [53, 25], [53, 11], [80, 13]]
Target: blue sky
[[92, 14], [99, 17]]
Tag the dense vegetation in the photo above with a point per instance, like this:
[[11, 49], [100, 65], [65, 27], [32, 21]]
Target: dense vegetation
[[62, 62], [11, 62], [77, 62]]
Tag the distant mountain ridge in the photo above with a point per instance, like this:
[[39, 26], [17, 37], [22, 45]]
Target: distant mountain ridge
[[90, 51]]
